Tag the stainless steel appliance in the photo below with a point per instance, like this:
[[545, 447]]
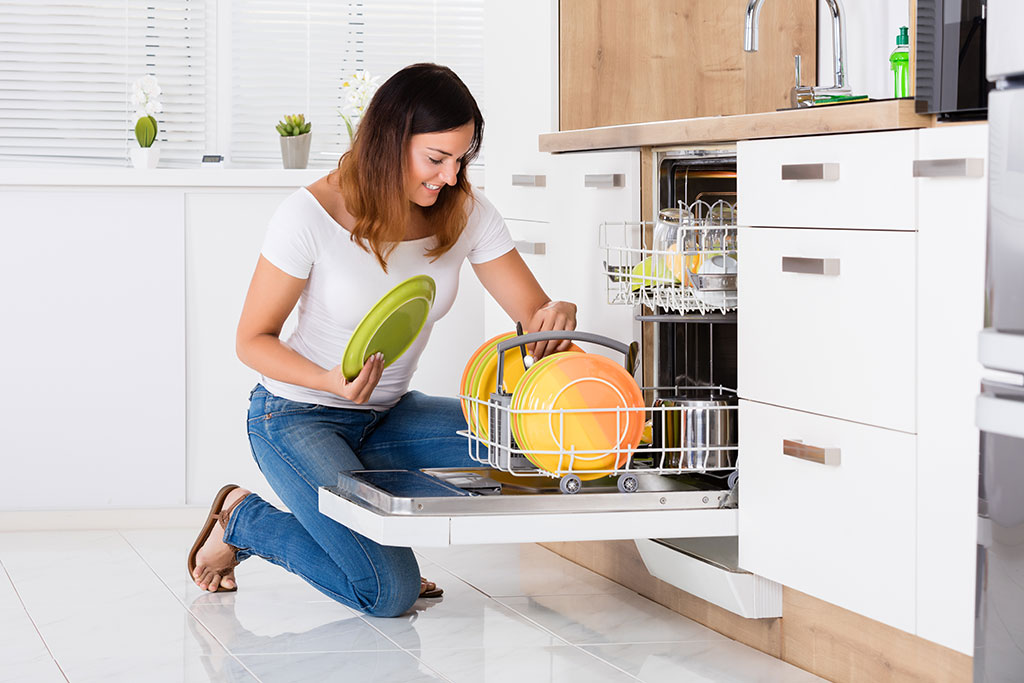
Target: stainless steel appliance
[[999, 614], [950, 77]]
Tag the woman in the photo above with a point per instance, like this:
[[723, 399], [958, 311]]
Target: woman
[[399, 205]]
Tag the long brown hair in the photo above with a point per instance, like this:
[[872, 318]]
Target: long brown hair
[[422, 98]]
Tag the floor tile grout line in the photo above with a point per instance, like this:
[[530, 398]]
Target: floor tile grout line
[[32, 621], [604, 661], [186, 607], [567, 642], [362, 617]]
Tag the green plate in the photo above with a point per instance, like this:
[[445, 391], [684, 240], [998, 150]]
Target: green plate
[[391, 326]]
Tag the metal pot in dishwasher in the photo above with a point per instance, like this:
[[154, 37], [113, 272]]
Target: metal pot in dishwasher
[[696, 433]]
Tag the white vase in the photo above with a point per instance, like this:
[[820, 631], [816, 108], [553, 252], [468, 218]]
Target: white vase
[[145, 157]]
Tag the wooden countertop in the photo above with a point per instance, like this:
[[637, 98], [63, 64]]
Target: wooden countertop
[[843, 118]]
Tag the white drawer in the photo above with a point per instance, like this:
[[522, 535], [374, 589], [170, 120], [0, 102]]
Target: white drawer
[[843, 533], [868, 181], [840, 345]]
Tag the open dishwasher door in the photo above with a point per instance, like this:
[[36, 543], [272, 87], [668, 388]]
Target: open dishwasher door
[[441, 507]]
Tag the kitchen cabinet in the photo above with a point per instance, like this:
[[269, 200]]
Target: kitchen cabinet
[[520, 82], [838, 342], [890, 356], [952, 191], [842, 532], [837, 181], [94, 352], [553, 204]]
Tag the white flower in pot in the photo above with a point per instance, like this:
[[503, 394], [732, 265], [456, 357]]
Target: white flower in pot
[[146, 100], [358, 88], [295, 139]]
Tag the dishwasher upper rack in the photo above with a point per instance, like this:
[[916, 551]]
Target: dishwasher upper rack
[[697, 274], [675, 446]]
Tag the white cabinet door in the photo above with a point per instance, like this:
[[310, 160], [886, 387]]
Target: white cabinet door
[[520, 82], [951, 198], [94, 350], [840, 532], [826, 322]]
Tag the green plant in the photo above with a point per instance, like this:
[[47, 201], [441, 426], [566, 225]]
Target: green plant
[[293, 125], [145, 131]]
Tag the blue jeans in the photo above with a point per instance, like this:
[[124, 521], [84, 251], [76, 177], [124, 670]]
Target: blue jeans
[[302, 446]]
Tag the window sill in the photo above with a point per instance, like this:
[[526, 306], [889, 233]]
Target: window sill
[[105, 176]]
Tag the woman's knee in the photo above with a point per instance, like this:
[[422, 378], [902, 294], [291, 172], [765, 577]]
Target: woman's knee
[[391, 598]]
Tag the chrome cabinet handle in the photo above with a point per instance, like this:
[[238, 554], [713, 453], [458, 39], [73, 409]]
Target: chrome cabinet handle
[[524, 247], [600, 180], [810, 266], [949, 168], [810, 171], [529, 180], [798, 449]]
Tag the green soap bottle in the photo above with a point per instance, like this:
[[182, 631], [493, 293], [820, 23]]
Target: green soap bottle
[[899, 61]]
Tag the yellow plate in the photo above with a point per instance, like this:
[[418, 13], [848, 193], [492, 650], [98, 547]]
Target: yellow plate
[[604, 438], [466, 385]]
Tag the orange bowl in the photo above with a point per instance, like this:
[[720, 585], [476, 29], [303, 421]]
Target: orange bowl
[[605, 417]]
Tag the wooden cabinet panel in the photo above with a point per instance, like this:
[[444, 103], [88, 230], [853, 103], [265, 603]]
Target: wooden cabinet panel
[[651, 60]]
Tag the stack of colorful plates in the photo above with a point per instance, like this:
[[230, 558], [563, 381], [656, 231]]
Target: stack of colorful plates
[[480, 379], [591, 414]]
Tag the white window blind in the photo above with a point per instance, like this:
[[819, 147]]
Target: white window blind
[[289, 58], [66, 70]]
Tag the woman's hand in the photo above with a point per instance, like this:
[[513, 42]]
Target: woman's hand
[[554, 315], [359, 389]]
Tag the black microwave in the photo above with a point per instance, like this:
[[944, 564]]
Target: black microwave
[[950, 76]]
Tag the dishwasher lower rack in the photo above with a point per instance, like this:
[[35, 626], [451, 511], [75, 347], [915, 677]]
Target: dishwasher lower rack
[[688, 430], [696, 273]]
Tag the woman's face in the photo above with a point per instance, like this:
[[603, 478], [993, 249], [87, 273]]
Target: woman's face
[[433, 161]]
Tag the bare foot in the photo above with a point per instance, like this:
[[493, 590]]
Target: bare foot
[[215, 561]]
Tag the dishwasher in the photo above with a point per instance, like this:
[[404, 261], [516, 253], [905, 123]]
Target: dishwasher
[[678, 491]]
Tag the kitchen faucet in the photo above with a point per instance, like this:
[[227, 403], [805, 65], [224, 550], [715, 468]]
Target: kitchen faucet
[[804, 95]]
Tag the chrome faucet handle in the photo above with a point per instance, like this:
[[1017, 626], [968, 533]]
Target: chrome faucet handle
[[800, 95]]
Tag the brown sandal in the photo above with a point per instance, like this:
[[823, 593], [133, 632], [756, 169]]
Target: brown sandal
[[429, 589], [216, 515]]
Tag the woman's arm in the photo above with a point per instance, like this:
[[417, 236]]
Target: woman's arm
[[513, 286], [271, 297]]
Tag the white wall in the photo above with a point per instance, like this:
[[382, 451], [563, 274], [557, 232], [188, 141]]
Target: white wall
[[871, 30]]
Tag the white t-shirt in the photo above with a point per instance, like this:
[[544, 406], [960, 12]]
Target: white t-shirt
[[343, 282]]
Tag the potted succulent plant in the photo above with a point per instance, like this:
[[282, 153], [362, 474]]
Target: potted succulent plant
[[146, 99], [295, 139]]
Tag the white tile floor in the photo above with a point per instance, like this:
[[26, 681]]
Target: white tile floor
[[118, 606]]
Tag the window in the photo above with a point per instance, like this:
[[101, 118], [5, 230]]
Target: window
[[229, 71], [66, 70], [289, 61]]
